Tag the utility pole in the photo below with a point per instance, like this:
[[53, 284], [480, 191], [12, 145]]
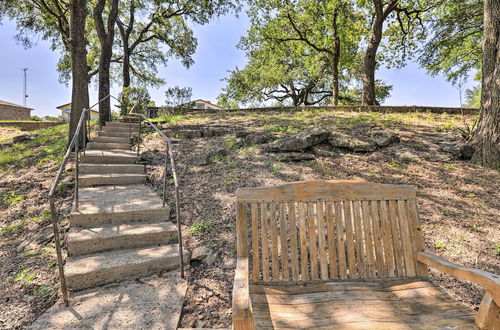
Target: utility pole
[[24, 87]]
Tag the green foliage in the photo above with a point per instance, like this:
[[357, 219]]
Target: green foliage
[[25, 277], [44, 217], [440, 245], [177, 97], [48, 146], [14, 228], [11, 197], [454, 42], [202, 228], [474, 227], [225, 102], [135, 99], [450, 166], [231, 143], [497, 248], [45, 291]]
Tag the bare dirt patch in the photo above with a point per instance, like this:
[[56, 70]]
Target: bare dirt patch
[[459, 202]]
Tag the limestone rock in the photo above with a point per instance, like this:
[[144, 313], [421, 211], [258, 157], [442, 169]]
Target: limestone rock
[[324, 150], [258, 138], [351, 142], [202, 160], [229, 264], [295, 156], [382, 137], [299, 141], [200, 253], [24, 138]]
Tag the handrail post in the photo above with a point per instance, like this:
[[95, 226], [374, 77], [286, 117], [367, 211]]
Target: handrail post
[[179, 234], [57, 242], [77, 147], [165, 177], [139, 137]]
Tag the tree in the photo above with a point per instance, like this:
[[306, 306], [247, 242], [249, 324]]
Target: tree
[[454, 44], [106, 34], [177, 97], [404, 19], [79, 68], [487, 136], [225, 102], [137, 98]]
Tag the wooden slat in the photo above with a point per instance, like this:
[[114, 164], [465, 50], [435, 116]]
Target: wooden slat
[[417, 234], [323, 261], [242, 229], [284, 243], [304, 272], [293, 241], [387, 238], [265, 243], [274, 243], [377, 240], [351, 259], [340, 241], [326, 190], [398, 252], [407, 240], [313, 250], [358, 226], [332, 246], [370, 253], [255, 243]]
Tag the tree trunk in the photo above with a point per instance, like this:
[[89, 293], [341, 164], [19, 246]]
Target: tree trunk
[[487, 137], [79, 68], [106, 36], [370, 62], [126, 66], [335, 60]]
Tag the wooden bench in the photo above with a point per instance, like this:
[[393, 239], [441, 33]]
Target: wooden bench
[[346, 255]]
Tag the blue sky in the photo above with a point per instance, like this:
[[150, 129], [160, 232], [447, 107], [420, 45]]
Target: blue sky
[[216, 53]]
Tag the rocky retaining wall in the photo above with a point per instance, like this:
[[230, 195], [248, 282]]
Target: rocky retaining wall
[[29, 125], [355, 108]]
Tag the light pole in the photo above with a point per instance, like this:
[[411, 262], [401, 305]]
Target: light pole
[[24, 87]]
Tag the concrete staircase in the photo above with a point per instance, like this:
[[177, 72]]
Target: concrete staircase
[[121, 229]]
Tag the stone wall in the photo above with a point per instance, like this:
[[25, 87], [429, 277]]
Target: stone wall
[[29, 125], [355, 108], [8, 112]]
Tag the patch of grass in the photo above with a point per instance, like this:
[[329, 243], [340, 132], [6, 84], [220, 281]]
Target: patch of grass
[[13, 229], [440, 245], [446, 127], [11, 197], [246, 151], [230, 143], [202, 228], [45, 291], [44, 217], [25, 277], [276, 168], [280, 128], [471, 195], [395, 164], [169, 119], [63, 186], [474, 227], [497, 249], [450, 166], [48, 146]]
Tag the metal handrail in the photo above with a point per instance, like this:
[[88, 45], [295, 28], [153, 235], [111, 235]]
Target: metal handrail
[[169, 154], [73, 145]]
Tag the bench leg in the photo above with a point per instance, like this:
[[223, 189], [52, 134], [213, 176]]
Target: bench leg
[[488, 316]]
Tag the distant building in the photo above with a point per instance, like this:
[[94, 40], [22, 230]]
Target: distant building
[[202, 104], [11, 111], [66, 111]]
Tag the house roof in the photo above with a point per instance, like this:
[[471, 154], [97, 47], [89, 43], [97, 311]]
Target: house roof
[[65, 105], [208, 102], [14, 105]]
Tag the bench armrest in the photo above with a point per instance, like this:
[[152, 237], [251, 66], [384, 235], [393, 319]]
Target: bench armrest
[[242, 307], [489, 281]]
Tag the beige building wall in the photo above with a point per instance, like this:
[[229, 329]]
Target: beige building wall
[[8, 112]]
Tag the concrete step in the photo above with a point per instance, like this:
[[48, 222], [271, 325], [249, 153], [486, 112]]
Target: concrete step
[[101, 268], [110, 156], [83, 241], [108, 145], [119, 134], [82, 219], [110, 139], [111, 168], [134, 126], [119, 129], [86, 180]]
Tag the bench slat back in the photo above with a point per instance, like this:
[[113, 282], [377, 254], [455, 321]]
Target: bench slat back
[[324, 230]]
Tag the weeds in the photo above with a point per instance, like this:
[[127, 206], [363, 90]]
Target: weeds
[[25, 277], [450, 166], [440, 245], [497, 249], [201, 228], [231, 143], [13, 229], [11, 197], [474, 227], [45, 291]]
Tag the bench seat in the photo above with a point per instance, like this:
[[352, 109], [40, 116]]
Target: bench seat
[[390, 304]]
